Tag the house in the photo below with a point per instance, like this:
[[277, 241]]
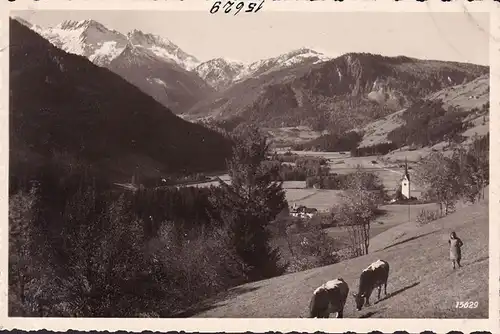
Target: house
[[302, 211]]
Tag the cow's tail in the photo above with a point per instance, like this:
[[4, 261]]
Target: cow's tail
[[388, 269]]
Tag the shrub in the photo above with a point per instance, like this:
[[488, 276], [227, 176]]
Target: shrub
[[426, 216], [312, 249]]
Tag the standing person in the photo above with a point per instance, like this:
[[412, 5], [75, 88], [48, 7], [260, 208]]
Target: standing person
[[455, 251]]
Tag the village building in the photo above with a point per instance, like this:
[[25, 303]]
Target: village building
[[302, 211], [403, 193], [405, 183]]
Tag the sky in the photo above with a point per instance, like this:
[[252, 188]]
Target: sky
[[441, 36]]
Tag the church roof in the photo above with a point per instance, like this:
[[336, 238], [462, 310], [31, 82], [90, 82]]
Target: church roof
[[406, 174]]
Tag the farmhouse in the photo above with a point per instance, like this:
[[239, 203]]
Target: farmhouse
[[302, 211]]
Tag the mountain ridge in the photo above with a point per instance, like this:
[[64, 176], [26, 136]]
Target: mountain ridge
[[107, 44], [299, 87], [63, 104], [112, 49], [367, 85]]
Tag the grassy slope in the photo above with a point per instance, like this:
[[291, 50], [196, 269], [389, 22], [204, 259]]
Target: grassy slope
[[422, 283]]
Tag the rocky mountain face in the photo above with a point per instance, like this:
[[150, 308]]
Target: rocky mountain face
[[300, 87], [221, 73], [344, 92], [153, 63], [102, 46], [63, 105], [167, 82]]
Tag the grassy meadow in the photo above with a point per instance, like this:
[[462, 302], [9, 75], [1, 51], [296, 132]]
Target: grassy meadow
[[422, 283]]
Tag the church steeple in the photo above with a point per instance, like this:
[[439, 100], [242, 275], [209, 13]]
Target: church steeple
[[406, 174], [405, 182]]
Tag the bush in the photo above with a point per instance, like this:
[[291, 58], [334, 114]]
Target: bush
[[311, 249], [426, 216], [98, 253]]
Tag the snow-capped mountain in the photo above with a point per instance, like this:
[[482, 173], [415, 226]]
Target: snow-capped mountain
[[163, 48], [101, 45], [166, 81], [87, 38], [292, 58], [158, 66], [154, 64], [221, 73]]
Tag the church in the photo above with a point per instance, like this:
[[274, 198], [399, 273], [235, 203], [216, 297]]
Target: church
[[403, 191], [405, 183]]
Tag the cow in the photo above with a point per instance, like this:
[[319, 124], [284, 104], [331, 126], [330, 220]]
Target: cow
[[329, 298], [372, 277]]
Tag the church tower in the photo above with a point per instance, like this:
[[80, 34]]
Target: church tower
[[405, 182]]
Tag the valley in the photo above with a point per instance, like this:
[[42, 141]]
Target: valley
[[211, 184]]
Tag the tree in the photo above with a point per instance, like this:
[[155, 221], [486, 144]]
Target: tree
[[251, 202], [25, 274], [466, 167], [358, 208], [441, 179], [355, 214], [480, 149], [463, 175]]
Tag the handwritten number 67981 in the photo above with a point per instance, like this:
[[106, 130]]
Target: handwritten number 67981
[[229, 6]]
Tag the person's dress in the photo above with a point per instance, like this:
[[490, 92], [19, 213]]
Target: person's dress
[[455, 253]]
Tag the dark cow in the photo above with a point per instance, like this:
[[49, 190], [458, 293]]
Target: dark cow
[[372, 277], [329, 298]]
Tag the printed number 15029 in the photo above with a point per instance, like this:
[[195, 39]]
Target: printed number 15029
[[466, 304], [236, 6]]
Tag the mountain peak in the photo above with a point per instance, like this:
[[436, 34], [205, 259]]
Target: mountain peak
[[136, 54], [302, 50], [163, 48], [137, 37], [82, 24]]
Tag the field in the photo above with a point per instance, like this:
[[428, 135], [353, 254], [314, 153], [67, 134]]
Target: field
[[420, 269], [422, 283], [394, 215], [390, 174], [286, 136], [324, 199]]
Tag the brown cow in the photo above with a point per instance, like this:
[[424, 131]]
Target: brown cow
[[374, 276], [329, 298]]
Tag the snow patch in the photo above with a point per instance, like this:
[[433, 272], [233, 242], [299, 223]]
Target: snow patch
[[107, 52]]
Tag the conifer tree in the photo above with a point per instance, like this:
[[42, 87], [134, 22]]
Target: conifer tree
[[250, 203]]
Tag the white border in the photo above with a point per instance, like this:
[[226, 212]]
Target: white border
[[261, 325]]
